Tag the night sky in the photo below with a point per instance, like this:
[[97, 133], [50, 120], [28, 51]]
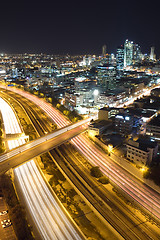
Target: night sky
[[79, 27]]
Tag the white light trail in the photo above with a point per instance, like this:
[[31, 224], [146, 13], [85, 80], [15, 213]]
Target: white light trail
[[141, 193], [45, 209]]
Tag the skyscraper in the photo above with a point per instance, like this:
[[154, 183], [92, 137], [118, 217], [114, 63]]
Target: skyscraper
[[137, 55], [128, 53], [104, 50], [152, 54], [107, 76], [120, 58]]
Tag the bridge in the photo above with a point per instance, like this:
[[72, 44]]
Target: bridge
[[26, 152]]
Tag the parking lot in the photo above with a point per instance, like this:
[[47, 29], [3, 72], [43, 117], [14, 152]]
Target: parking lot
[[8, 232]]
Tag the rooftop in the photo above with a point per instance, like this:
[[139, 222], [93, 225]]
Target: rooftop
[[143, 143], [155, 121], [146, 143], [109, 108], [140, 112]]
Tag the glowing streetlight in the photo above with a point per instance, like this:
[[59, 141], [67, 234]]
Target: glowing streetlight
[[110, 148], [96, 92], [143, 169]]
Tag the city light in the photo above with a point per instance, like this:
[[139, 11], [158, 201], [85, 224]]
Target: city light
[[119, 93], [110, 148], [144, 169], [96, 92]]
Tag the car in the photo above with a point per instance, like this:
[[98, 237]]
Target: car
[[4, 212], [6, 224], [5, 221]]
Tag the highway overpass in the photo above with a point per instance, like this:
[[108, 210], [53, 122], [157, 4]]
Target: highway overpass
[[24, 153]]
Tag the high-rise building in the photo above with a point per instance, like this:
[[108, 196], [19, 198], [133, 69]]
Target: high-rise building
[[104, 50], [137, 55], [86, 61], [152, 54], [106, 76], [120, 58], [128, 53]]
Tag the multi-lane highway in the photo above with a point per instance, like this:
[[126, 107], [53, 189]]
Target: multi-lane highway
[[22, 154], [138, 230], [128, 221], [104, 202], [137, 190], [141, 193], [48, 215]]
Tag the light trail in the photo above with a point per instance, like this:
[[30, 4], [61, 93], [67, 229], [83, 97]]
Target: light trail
[[28, 146], [139, 192], [47, 212]]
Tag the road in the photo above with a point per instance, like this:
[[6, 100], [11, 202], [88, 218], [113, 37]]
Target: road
[[145, 196], [126, 221], [141, 193], [22, 154], [52, 221], [48, 214], [111, 209]]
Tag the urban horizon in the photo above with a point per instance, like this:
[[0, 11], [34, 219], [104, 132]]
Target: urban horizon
[[85, 52]]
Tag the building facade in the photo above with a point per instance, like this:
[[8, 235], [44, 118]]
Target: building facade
[[141, 152], [128, 53], [124, 123], [107, 113], [120, 58], [106, 76], [153, 128]]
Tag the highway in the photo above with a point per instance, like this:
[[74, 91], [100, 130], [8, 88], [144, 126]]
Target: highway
[[19, 155], [104, 202], [48, 214], [141, 193], [51, 219], [128, 220]]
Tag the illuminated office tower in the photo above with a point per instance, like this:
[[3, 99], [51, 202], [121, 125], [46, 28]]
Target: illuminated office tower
[[137, 55], [107, 76], [128, 53], [120, 58], [152, 54], [104, 50]]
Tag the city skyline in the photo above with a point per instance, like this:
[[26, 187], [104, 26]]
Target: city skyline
[[56, 28], [48, 100]]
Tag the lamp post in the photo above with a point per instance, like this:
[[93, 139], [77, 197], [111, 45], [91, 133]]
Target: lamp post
[[110, 148], [95, 93]]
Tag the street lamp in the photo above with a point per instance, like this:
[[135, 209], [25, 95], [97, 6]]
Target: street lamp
[[144, 169], [95, 93], [110, 148]]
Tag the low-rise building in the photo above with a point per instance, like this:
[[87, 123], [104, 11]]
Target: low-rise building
[[153, 128], [124, 123], [142, 151], [73, 100], [106, 113], [97, 128]]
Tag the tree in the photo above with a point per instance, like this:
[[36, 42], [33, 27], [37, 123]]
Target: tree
[[96, 172], [66, 112], [104, 180]]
